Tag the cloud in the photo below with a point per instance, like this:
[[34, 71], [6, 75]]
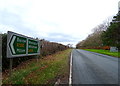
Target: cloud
[[12, 22], [55, 20], [61, 37]]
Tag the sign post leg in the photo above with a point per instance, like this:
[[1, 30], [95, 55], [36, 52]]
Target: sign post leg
[[11, 61], [37, 58]]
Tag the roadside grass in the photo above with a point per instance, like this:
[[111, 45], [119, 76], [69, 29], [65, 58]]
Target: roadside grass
[[106, 52], [46, 71]]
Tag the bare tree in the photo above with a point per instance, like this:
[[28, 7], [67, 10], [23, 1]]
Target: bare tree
[[94, 39]]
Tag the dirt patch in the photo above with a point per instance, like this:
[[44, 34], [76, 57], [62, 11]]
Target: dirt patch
[[60, 79]]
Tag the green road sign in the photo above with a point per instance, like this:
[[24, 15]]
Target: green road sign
[[32, 46], [19, 45]]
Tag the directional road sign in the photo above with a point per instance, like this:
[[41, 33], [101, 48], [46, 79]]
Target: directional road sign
[[32, 46], [19, 45]]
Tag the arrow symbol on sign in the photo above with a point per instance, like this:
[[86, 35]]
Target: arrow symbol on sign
[[11, 44]]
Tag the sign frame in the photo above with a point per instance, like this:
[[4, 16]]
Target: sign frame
[[10, 36]]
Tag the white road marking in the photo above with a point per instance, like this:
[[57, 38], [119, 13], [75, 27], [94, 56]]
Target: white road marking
[[70, 76]]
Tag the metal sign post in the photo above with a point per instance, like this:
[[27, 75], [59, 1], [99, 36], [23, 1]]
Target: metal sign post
[[37, 58], [10, 71]]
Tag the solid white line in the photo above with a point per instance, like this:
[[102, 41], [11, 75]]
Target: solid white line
[[70, 76]]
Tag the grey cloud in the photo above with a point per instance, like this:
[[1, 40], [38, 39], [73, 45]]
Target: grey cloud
[[61, 37], [10, 19], [59, 34]]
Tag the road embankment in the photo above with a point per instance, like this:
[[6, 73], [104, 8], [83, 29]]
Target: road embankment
[[47, 70], [106, 52]]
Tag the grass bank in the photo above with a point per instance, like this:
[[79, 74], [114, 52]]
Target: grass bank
[[44, 71], [106, 52]]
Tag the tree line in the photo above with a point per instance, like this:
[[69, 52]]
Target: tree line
[[46, 48], [104, 35]]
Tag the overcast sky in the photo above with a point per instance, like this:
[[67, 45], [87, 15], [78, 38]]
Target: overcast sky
[[64, 21]]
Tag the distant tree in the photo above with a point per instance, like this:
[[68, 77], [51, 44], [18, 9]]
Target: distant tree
[[94, 39]]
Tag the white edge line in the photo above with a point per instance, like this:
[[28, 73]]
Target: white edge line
[[70, 76]]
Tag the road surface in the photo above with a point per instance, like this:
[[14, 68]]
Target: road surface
[[93, 68]]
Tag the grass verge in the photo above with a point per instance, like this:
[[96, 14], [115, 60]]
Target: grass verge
[[106, 52], [46, 71]]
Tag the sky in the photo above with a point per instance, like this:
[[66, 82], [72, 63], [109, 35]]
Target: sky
[[62, 21]]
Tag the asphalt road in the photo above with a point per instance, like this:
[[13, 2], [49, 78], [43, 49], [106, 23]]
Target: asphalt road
[[93, 68]]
